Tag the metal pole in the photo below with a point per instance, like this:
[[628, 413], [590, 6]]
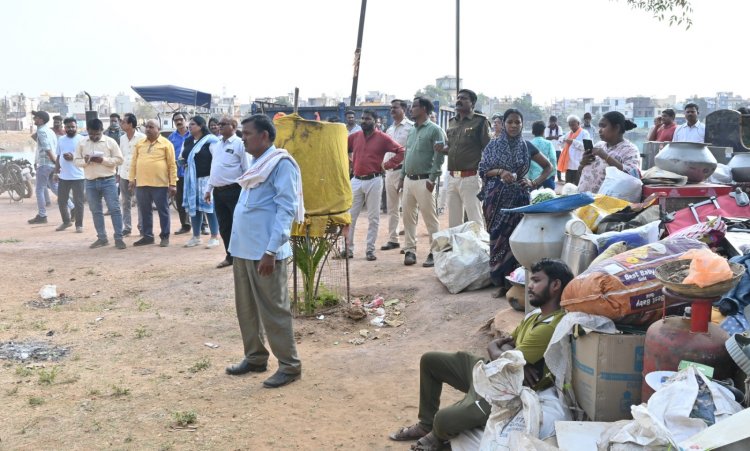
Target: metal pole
[[296, 100], [458, 46], [358, 53]]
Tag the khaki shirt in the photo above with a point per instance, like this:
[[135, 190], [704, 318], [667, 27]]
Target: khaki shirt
[[467, 138], [111, 154]]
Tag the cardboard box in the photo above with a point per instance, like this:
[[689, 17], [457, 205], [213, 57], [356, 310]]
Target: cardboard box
[[607, 374]]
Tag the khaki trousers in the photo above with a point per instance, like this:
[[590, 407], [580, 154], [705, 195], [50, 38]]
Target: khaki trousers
[[366, 195], [263, 303], [462, 197], [393, 202], [417, 198]]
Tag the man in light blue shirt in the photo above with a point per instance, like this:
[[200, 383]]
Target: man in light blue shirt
[[71, 177], [46, 142], [259, 246]]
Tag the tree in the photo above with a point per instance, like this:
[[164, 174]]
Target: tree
[[678, 11], [433, 93], [282, 100], [530, 111]]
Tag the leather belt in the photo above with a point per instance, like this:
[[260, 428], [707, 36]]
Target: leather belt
[[368, 176], [417, 176], [226, 187], [103, 178], [462, 173]]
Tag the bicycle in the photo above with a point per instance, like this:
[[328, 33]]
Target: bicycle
[[11, 179]]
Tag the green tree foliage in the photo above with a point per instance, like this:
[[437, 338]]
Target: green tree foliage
[[676, 11], [530, 111], [433, 93]]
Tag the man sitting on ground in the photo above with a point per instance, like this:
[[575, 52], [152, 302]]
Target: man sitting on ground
[[436, 427]]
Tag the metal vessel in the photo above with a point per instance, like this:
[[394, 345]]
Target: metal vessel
[[693, 160], [740, 166], [578, 253]]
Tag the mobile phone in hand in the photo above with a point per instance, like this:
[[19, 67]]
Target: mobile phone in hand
[[588, 145]]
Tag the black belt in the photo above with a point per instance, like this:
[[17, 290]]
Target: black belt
[[418, 176], [103, 178], [226, 187], [368, 176]]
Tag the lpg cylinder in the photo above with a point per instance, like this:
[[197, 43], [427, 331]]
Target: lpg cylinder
[[671, 340]]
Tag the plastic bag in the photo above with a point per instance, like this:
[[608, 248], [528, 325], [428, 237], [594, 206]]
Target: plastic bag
[[603, 206], [706, 268], [462, 256], [621, 185], [48, 292], [636, 237]]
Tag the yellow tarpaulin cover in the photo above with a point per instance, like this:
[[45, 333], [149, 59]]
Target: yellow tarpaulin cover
[[320, 149]]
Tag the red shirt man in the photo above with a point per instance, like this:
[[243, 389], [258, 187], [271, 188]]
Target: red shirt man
[[667, 129]]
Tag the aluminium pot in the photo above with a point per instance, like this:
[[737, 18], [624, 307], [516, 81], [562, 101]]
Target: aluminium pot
[[693, 160], [740, 166]]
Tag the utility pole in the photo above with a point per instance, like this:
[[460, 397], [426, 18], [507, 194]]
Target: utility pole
[[358, 53], [458, 46]]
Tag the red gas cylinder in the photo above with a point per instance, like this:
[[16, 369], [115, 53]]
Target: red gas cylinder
[[673, 339]]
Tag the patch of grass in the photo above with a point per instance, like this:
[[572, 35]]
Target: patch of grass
[[90, 272], [38, 325], [71, 380], [201, 365], [48, 377], [326, 298], [67, 328], [12, 391], [94, 392], [184, 418], [142, 332], [9, 240], [36, 401], [22, 371], [118, 391], [142, 305]]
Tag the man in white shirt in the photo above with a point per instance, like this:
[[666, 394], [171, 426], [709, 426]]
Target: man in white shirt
[[351, 122], [399, 131], [70, 177], [553, 132], [229, 161], [127, 144], [572, 149], [693, 130]]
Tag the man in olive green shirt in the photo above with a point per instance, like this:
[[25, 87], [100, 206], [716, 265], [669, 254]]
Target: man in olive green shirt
[[419, 172], [468, 134], [436, 426]]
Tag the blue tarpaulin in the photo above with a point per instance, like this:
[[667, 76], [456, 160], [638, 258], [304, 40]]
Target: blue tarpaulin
[[173, 94], [556, 205]]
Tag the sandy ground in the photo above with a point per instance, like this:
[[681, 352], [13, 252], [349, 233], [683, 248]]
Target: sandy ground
[[137, 325]]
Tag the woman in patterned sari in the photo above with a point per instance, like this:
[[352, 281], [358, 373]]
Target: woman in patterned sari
[[504, 168]]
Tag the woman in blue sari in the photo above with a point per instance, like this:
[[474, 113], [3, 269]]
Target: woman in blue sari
[[504, 168], [197, 157]]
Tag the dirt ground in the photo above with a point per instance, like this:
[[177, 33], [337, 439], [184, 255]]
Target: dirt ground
[[137, 325]]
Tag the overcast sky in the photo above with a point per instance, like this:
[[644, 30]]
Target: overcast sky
[[549, 48]]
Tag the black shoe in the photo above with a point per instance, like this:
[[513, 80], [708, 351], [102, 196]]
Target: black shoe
[[164, 242], [429, 263], [401, 232], [245, 367], [126, 232], [63, 226], [38, 220], [280, 379], [389, 245], [146, 240], [370, 256], [403, 251], [224, 263], [120, 244], [99, 243], [410, 258], [184, 229]]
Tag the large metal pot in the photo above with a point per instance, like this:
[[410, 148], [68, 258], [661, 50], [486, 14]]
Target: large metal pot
[[693, 160], [740, 166], [578, 253]]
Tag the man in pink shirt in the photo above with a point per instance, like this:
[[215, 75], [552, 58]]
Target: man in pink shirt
[[665, 132], [368, 148]]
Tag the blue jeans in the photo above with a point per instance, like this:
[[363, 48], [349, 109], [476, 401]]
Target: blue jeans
[[44, 181], [197, 220], [104, 188]]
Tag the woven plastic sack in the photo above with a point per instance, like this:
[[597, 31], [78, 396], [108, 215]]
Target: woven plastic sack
[[603, 206]]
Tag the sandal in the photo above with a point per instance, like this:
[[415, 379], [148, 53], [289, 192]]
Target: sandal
[[429, 443], [414, 432]]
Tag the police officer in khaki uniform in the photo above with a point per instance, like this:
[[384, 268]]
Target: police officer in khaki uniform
[[468, 134]]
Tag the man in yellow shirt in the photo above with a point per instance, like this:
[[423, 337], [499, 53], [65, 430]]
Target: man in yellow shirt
[[99, 156], [436, 426], [153, 172]]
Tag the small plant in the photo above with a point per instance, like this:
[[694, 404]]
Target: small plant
[[12, 391], [36, 401], [94, 392], [90, 272], [142, 305], [9, 241], [200, 365], [120, 391], [184, 418], [23, 371], [48, 377], [142, 332]]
